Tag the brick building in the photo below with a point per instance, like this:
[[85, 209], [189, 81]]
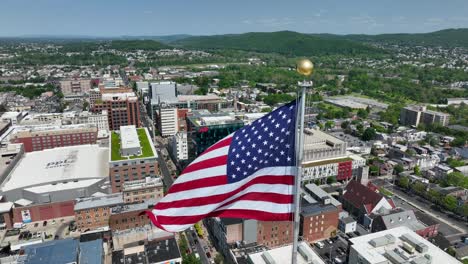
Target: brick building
[[319, 214], [122, 108], [41, 212], [75, 86], [6, 215], [128, 216], [142, 190], [274, 233], [132, 159], [94, 212], [362, 201], [36, 138]]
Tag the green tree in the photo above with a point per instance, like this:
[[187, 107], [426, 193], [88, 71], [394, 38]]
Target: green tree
[[456, 179], [419, 187], [369, 134], [451, 251], [398, 169], [450, 202], [434, 196], [331, 180], [455, 163], [417, 170], [465, 210], [374, 170], [345, 125], [190, 259], [329, 125], [218, 258], [404, 182], [362, 113]]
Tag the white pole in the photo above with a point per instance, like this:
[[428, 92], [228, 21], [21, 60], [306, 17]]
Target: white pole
[[299, 156]]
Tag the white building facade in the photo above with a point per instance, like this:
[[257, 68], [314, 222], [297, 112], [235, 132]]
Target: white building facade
[[180, 146], [168, 121]]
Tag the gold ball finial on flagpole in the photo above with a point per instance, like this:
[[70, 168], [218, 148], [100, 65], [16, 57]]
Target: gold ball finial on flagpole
[[305, 67]]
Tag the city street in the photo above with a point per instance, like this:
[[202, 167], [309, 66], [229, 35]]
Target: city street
[[447, 225], [197, 244]]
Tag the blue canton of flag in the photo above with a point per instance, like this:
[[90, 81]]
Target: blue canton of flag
[[267, 142]]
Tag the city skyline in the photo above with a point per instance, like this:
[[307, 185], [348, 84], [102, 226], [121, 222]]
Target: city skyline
[[157, 18]]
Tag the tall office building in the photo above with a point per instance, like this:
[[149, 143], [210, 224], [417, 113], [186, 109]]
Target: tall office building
[[167, 121], [180, 146], [205, 129], [413, 115], [122, 108]]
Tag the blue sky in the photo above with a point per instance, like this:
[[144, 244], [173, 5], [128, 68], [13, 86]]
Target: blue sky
[[206, 17]]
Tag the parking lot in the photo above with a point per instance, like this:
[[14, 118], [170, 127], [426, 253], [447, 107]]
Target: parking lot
[[334, 250], [36, 231]]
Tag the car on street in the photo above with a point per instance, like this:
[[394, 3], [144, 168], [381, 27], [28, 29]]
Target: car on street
[[338, 260]]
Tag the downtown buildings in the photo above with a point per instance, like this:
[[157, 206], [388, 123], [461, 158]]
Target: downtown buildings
[[122, 107], [414, 115], [36, 138], [132, 156]]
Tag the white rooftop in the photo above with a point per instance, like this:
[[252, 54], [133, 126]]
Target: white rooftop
[[117, 96], [58, 165], [283, 255], [129, 137], [61, 186], [384, 247], [10, 115], [216, 120], [5, 207], [23, 202]]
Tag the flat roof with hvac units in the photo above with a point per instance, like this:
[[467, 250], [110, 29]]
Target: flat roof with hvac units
[[283, 255], [396, 245]]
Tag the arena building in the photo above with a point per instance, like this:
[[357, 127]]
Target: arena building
[[50, 178]]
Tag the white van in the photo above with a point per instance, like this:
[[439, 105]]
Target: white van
[[320, 244], [19, 225]]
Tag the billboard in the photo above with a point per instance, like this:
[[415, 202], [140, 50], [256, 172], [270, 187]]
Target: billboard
[[26, 216]]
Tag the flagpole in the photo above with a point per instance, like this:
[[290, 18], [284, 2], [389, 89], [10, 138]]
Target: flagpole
[[304, 67]]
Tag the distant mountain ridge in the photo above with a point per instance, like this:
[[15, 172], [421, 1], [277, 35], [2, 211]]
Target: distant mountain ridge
[[445, 38], [283, 42]]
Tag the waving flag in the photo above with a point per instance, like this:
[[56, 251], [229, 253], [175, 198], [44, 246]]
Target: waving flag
[[248, 174]]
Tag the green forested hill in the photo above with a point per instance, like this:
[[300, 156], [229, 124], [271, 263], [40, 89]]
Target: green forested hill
[[445, 38], [284, 42]]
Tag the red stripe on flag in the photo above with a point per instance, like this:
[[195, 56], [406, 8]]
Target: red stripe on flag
[[267, 179], [205, 164], [252, 196], [200, 183], [220, 144]]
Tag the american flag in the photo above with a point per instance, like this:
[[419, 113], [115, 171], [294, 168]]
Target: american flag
[[248, 174]]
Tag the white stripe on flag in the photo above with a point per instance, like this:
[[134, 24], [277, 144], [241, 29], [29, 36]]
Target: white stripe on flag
[[221, 189], [204, 209], [262, 206]]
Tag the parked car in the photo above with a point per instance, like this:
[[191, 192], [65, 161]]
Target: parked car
[[19, 225]]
